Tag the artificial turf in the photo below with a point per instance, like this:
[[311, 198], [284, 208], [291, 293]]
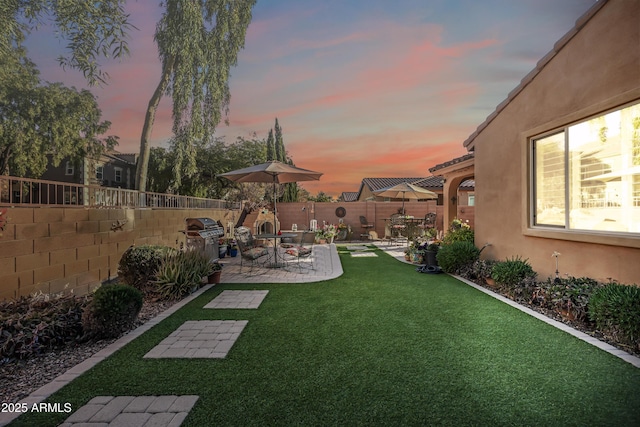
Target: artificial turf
[[380, 345]]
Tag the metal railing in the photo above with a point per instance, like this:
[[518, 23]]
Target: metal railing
[[16, 191]]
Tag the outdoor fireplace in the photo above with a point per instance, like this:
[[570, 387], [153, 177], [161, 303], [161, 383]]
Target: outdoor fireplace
[[264, 223]]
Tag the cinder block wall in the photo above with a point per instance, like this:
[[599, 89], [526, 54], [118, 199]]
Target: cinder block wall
[[375, 212], [74, 249]]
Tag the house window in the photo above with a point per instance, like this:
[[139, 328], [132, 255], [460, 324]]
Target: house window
[[68, 168], [471, 200], [118, 174], [100, 172], [587, 176]]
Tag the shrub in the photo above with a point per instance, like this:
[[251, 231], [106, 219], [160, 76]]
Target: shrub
[[139, 264], [479, 269], [455, 256], [458, 232], [571, 295], [511, 273], [616, 308], [33, 325], [179, 273], [112, 311]]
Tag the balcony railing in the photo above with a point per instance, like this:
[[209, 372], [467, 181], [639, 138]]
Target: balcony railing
[[36, 192]]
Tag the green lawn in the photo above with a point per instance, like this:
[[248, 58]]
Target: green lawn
[[381, 345]]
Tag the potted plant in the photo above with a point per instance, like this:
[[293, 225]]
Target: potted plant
[[215, 273], [320, 237], [233, 250], [222, 248], [431, 252]]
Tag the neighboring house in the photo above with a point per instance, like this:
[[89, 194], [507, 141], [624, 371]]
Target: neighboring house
[[348, 196], [431, 183], [113, 169], [558, 162]]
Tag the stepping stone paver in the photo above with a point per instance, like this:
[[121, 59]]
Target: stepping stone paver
[[127, 411], [358, 248], [363, 254], [194, 339], [238, 299]]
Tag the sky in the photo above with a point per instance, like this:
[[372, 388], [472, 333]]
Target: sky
[[361, 88]]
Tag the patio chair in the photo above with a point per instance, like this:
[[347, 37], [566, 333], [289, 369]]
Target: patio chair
[[429, 221], [300, 251], [366, 227], [249, 249], [398, 227]]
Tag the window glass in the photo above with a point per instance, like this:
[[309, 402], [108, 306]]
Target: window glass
[[471, 200], [549, 180], [602, 170], [594, 171], [68, 168], [99, 172], [118, 174]]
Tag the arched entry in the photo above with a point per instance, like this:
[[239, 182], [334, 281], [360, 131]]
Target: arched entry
[[453, 173]]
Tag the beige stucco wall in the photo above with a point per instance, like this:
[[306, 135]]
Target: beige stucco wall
[[63, 249], [597, 69]]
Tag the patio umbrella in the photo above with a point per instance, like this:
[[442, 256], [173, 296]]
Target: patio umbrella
[[275, 172], [406, 191]]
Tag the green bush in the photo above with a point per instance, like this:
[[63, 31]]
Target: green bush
[[139, 264], [179, 273], [458, 232], [616, 308], [38, 323], [455, 256], [512, 272], [112, 311], [571, 294]]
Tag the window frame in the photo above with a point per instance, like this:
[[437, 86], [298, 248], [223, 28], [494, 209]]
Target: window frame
[[100, 172], [69, 168], [117, 175], [564, 232]]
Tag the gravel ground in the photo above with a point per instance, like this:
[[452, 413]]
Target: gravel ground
[[19, 379]]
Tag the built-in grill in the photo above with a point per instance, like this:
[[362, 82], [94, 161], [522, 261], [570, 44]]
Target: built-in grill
[[202, 235]]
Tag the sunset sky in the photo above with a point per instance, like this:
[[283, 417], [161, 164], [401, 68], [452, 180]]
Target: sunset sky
[[366, 88]]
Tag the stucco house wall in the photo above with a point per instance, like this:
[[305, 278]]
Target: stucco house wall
[[594, 68]]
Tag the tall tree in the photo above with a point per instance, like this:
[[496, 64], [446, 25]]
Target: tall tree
[[93, 29], [281, 154], [271, 151], [198, 42]]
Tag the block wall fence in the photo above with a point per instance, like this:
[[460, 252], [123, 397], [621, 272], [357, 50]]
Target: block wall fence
[[56, 250], [53, 250]]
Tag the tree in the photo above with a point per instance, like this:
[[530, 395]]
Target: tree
[[94, 29], [41, 121], [198, 42], [271, 151], [281, 154], [320, 197]]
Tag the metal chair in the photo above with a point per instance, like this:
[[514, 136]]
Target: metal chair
[[248, 248], [366, 227], [300, 251], [398, 227]]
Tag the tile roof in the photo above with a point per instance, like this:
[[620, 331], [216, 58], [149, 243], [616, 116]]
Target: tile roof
[[452, 162], [349, 196], [376, 184], [431, 183]]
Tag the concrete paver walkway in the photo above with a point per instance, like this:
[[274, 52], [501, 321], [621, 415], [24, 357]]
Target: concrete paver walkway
[[238, 299], [325, 260], [128, 411], [194, 339]]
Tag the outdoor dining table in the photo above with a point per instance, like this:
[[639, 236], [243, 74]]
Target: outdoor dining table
[[278, 261]]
